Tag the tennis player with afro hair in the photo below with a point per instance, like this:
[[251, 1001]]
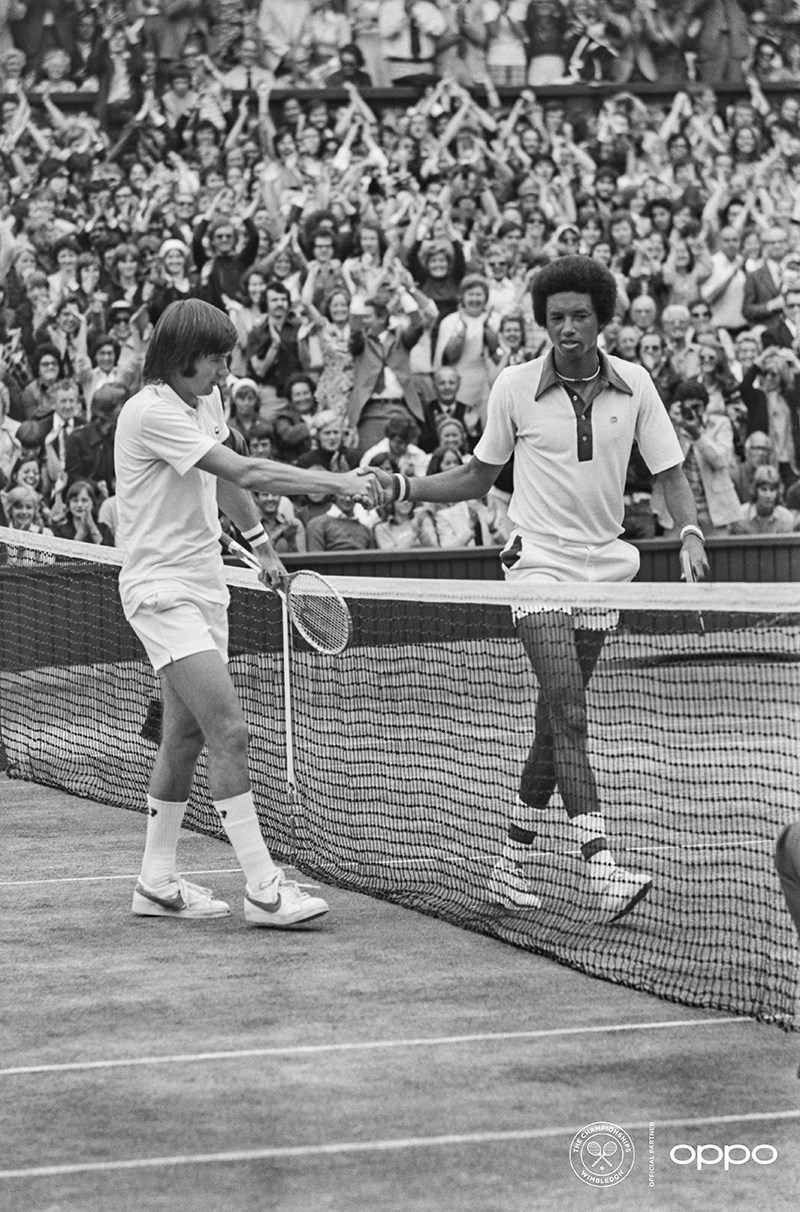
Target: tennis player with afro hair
[[570, 418]]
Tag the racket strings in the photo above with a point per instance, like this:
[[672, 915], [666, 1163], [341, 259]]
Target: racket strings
[[319, 613]]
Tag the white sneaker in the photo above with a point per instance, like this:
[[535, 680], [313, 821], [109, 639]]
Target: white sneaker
[[509, 885], [281, 903], [178, 898], [620, 892]]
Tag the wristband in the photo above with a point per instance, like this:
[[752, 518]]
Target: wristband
[[256, 537], [690, 528], [402, 487]]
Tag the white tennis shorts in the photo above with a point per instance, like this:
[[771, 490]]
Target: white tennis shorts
[[546, 559], [172, 627]]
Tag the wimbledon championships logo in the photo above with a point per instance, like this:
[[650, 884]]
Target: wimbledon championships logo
[[601, 1154]]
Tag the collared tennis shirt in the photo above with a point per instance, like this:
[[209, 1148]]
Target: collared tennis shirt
[[167, 507], [550, 430]]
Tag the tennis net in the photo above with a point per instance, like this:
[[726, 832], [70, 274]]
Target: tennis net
[[408, 748]]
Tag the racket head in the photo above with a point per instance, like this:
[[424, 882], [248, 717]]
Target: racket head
[[319, 612]]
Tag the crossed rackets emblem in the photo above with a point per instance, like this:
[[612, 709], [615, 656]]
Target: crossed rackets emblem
[[601, 1155]]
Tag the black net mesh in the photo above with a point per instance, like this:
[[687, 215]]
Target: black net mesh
[[409, 747]]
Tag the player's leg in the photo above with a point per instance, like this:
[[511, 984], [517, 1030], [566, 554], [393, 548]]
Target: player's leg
[[160, 891], [564, 661], [787, 864], [204, 686], [538, 779]]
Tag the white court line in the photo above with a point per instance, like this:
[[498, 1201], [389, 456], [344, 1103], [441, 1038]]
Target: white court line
[[100, 879], [452, 860], [364, 1046], [376, 1146]]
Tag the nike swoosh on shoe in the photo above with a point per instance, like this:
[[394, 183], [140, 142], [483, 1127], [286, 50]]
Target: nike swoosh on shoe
[[267, 906], [175, 901]]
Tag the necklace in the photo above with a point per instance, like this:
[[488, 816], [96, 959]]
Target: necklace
[[585, 379]]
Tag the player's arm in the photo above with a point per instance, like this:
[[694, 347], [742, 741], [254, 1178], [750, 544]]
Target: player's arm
[[466, 483], [681, 506], [268, 475], [238, 505]]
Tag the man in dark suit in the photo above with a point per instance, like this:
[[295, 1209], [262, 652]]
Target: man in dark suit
[[272, 348], [446, 403], [787, 333], [382, 379], [763, 300]]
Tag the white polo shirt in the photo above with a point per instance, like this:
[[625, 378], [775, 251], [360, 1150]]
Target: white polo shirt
[[556, 493], [168, 518]]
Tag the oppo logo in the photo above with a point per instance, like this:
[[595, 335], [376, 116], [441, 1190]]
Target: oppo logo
[[730, 1155]]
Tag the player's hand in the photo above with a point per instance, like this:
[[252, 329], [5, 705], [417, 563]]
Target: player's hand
[[363, 485], [273, 574], [694, 562], [387, 485]]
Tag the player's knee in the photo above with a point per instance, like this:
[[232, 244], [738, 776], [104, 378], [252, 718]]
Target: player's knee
[[183, 736], [231, 735]]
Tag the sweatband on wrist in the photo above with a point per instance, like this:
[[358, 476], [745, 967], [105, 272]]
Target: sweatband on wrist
[[256, 537], [402, 487], [690, 528]]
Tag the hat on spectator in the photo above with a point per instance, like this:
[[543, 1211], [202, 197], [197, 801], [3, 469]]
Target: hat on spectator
[[244, 384], [120, 308], [767, 474], [528, 187], [174, 246]]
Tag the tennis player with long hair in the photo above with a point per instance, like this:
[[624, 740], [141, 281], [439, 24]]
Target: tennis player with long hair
[[569, 418], [174, 474]]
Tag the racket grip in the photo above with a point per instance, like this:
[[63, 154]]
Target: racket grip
[[240, 552], [687, 572]]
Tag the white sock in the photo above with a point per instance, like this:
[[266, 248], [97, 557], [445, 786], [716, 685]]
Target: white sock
[[239, 820], [590, 833], [161, 843]]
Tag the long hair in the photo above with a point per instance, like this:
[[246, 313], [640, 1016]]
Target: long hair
[[185, 331]]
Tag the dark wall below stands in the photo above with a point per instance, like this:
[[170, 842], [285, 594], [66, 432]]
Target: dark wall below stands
[[758, 559]]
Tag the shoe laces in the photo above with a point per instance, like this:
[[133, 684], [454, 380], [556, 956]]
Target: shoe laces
[[188, 889], [292, 886]]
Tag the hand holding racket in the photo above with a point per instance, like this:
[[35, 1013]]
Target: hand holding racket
[[690, 577], [318, 612]]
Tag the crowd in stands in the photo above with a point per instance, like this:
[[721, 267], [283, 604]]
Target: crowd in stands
[[375, 254]]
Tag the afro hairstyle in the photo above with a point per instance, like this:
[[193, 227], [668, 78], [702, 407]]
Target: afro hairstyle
[[584, 276]]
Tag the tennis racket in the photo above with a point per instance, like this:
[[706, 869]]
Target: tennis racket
[[687, 575], [318, 612], [320, 615]]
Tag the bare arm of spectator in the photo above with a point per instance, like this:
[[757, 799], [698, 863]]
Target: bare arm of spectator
[[360, 106], [237, 130], [266, 127], [509, 123]]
